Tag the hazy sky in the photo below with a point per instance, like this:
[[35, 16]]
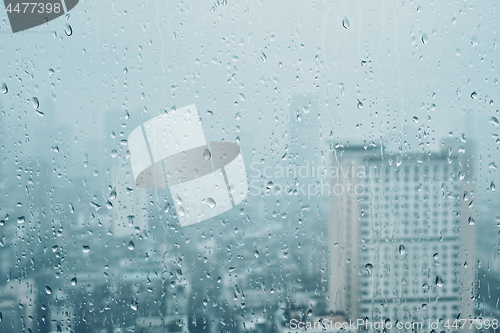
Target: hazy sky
[[413, 66]]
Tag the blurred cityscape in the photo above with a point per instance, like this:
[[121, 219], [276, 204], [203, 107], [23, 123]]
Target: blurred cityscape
[[333, 231]]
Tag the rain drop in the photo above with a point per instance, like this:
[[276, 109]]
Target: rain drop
[[73, 281], [48, 290], [439, 281], [492, 186], [256, 254], [68, 30], [20, 219], [211, 203], [473, 95], [96, 206], [85, 248], [471, 221], [131, 245], [425, 38], [402, 249], [359, 104], [4, 89], [345, 23], [369, 269], [35, 103], [206, 154], [181, 211]]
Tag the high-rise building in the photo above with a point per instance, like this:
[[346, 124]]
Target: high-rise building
[[401, 233]]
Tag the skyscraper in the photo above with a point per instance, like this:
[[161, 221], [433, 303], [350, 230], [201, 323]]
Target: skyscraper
[[401, 232]]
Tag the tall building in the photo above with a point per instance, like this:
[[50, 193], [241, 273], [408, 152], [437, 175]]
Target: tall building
[[401, 233]]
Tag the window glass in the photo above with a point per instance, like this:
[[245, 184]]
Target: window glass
[[249, 166]]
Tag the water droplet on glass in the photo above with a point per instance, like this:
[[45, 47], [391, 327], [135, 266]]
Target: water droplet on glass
[[85, 248], [269, 185], [131, 245], [309, 313], [402, 249], [211, 203], [359, 104], [263, 56], [471, 221], [425, 38], [474, 41], [167, 208], [494, 121], [256, 254], [181, 211], [48, 290], [436, 256], [35, 103], [345, 23], [68, 30], [206, 154], [205, 302], [73, 281], [112, 195], [492, 186], [96, 206], [134, 306], [369, 269], [439, 281], [473, 95], [4, 89], [20, 219]]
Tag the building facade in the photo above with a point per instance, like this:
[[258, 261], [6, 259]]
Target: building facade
[[402, 236]]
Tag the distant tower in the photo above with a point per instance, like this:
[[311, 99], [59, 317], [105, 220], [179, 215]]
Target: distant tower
[[402, 235]]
